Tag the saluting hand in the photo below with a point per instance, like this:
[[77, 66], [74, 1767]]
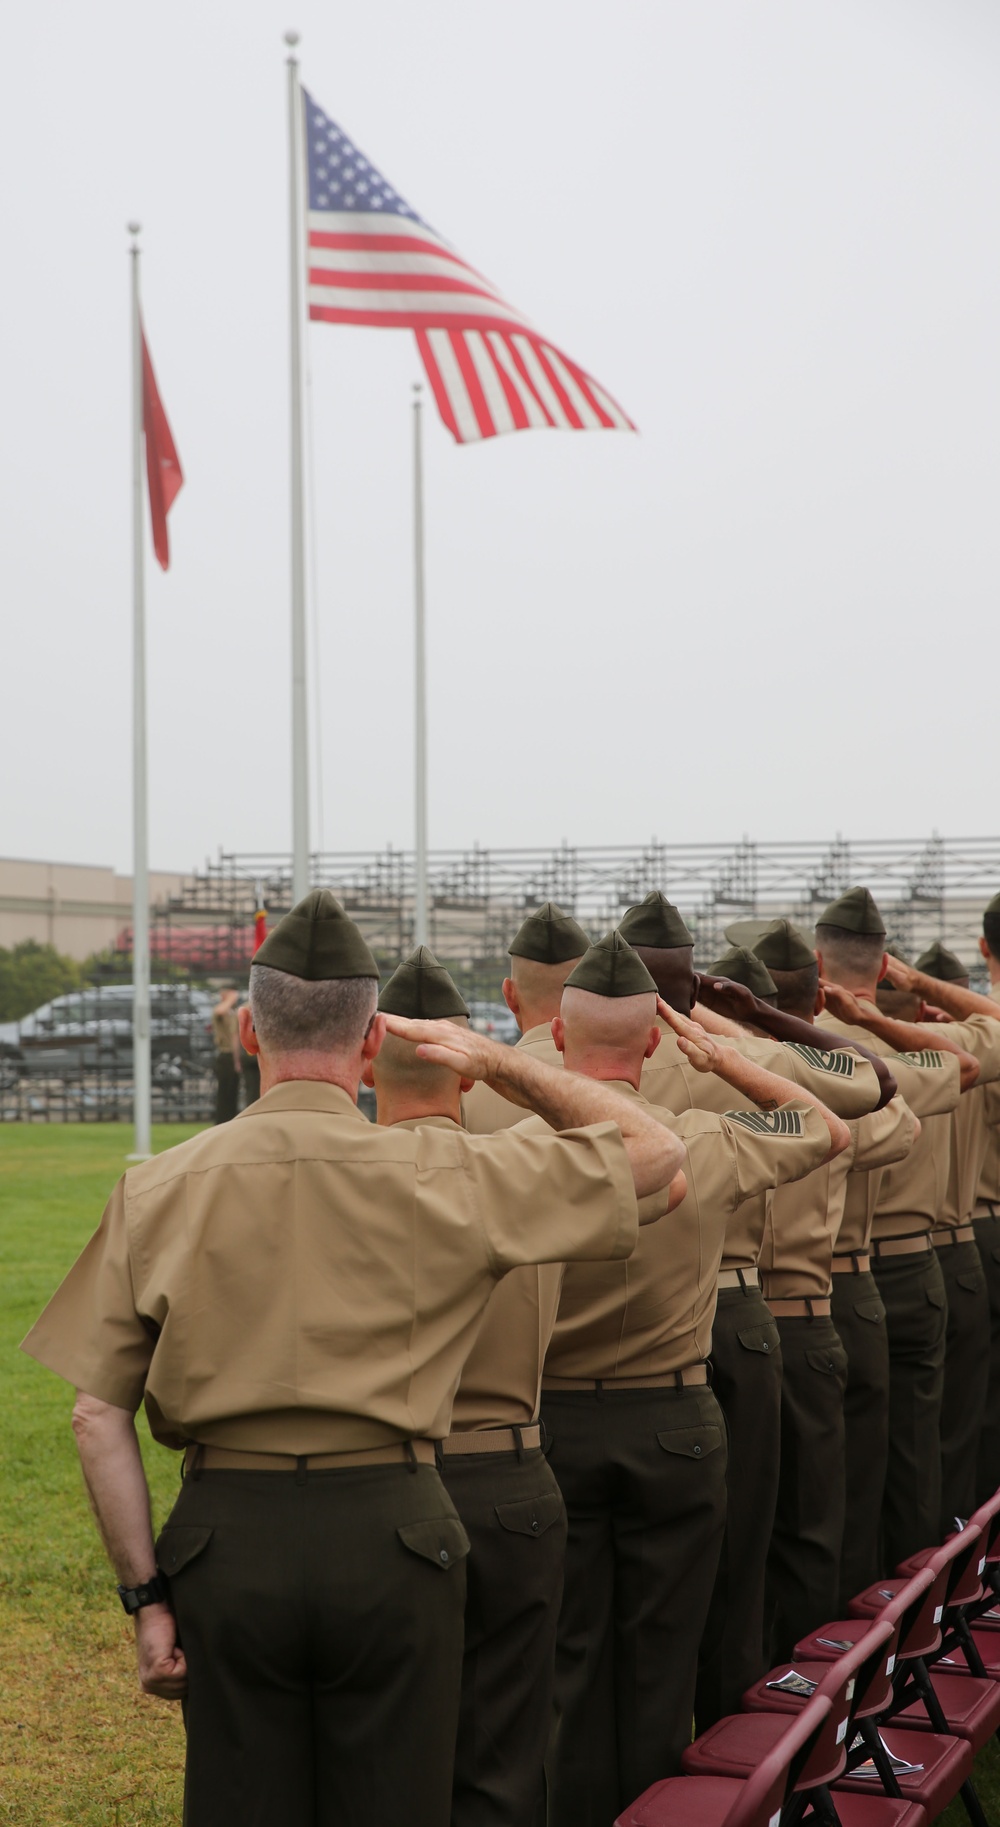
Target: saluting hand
[[444, 1043], [901, 976], [692, 1039], [162, 1666], [841, 1003]]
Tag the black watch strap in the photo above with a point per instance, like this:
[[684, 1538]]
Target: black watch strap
[[135, 1597]]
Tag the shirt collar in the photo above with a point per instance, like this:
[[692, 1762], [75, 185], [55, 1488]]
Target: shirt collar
[[543, 1031], [426, 1122], [304, 1094]]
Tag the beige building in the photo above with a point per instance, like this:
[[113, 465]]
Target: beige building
[[77, 907]]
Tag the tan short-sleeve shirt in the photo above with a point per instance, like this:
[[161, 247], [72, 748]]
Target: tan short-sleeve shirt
[[300, 1281], [805, 1217], [844, 1081], [225, 1029], [988, 1190], [655, 1314], [484, 1111]]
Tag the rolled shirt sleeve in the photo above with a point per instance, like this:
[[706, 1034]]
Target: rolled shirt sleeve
[[90, 1332], [773, 1146]]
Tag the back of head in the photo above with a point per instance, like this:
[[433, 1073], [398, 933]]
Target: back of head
[[543, 951], [422, 990], [656, 930], [850, 934], [937, 961], [313, 982], [608, 1010], [792, 965], [991, 927]]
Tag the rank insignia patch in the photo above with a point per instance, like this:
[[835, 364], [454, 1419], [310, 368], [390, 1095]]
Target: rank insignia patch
[[927, 1058], [841, 1064], [768, 1122]]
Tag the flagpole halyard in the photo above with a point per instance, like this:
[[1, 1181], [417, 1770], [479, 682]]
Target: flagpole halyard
[[141, 1061], [300, 702], [421, 898]]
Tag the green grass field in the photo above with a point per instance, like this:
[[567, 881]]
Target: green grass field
[[80, 1743]]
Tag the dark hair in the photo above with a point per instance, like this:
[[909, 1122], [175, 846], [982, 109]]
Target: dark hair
[[797, 990], [991, 933]]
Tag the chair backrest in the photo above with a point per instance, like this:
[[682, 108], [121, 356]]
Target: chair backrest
[[962, 1558], [987, 1517], [827, 1757], [759, 1800], [763, 1794], [873, 1672], [920, 1607]]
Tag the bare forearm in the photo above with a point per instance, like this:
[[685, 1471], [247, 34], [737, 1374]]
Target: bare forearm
[[956, 1001], [116, 1485], [769, 1091], [790, 1029]]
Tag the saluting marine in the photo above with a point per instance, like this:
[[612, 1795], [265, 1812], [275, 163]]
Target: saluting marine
[[293, 1294]]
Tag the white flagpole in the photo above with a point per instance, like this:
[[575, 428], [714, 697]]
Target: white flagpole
[[300, 724], [421, 904], [141, 1074]]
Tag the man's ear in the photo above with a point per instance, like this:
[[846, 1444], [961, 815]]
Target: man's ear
[[465, 1084], [984, 950], [374, 1037], [882, 966], [511, 998], [559, 1033], [248, 1037], [819, 961], [655, 1037], [820, 1003], [367, 1075]]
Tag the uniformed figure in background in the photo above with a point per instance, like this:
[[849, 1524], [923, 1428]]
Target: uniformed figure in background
[[856, 1306], [850, 942], [796, 1266], [986, 1218], [740, 965], [543, 951], [939, 978], [637, 1437], [746, 1357], [492, 1465], [226, 1035], [294, 1294]]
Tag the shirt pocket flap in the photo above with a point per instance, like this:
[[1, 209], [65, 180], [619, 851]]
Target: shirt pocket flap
[[440, 1540], [691, 1442], [178, 1544], [764, 1337], [936, 1297], [821, 1360], [870, 1309], [530, 1515]]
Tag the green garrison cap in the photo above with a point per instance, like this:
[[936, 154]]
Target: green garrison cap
[[742, 966], [549, 936], [611, 968], [782, 947], [855, 912], [655, 922], [318, 942], [937, 961], [422, 989]]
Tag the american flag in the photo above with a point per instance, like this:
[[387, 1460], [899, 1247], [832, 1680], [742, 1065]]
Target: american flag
[[373, 260]]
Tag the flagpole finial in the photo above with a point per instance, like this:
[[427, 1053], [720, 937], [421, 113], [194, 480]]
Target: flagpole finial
[[292, 39], [134, 228]]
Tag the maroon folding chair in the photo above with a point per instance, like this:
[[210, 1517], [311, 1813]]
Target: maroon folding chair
[[786, 1688], [709, 1801], [934, 1695]]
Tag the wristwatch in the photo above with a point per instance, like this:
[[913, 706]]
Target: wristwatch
[[135, 1597]]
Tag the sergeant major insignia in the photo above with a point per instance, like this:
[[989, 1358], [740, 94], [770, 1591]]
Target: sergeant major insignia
[[840, 1064], [768, 1122], [927, 1057]]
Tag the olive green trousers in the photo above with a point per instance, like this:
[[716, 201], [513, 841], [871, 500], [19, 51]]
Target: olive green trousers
[[643, 1473], [321, 1619], [966, 1378], [916, 1314], [859, 1317], [988, 1465], [746, 1380], [803, 1562], [515, 1518]]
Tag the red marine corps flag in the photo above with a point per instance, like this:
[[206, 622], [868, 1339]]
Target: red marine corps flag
[[163, 466]]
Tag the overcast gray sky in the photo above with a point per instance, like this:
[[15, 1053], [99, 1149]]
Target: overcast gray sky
[[770, 229]]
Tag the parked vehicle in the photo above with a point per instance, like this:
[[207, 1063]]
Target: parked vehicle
[[90, 1031]]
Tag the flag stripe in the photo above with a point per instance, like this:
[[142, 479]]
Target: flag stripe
[[373, 262]]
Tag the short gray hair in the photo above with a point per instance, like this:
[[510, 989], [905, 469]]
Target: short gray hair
[[293, 1016], [857, 954]]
